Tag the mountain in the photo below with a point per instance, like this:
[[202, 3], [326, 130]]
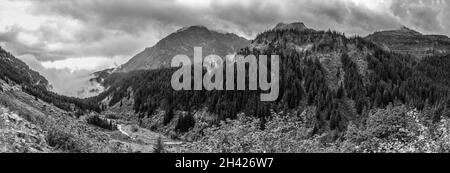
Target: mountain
[[36, 120], [15, 70], [294, 26], [328, 79], [315, 65], [408, 41], [32, 118], [183, 42]]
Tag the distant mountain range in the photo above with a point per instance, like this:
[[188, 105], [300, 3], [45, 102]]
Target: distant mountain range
[[403, 40]]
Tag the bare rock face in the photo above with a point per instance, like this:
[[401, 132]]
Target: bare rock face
[[183, 42], [19, 136], [292, 26], [408, 41]]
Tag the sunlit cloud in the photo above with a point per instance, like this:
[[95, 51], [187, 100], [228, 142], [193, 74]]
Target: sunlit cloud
[[87, 63]]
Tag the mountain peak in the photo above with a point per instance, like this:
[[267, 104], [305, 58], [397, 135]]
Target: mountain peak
[[183, 42], [195, 27], [409, 30], [296, 26]]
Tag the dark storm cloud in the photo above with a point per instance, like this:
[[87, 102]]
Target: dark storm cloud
[[249, 18], [10, 37], [129, 16], [104, 23], [429, 16]]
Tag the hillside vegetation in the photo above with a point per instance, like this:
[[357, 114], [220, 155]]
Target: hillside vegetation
[[342, 79]]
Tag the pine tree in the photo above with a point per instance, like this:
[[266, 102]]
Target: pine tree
[[159, 148]]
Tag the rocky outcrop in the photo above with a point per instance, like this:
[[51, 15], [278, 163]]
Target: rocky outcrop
[[17, 135]]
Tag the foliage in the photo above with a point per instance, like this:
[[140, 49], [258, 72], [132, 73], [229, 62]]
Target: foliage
[[243, 135], [159, 148], [64, 141], [185, 123], [101, 122], [62, 102], [388, 78], [396, 129]]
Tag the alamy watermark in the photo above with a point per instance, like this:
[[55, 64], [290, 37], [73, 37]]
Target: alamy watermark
[[213, 79]]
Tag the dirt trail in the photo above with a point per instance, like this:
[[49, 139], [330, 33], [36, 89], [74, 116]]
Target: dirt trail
[[143, 140]]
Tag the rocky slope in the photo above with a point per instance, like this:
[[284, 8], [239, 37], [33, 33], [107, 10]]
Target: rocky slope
[[408, 41], [20, 136], [17, 71]]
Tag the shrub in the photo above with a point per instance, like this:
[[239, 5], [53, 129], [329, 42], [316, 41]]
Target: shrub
[[168, 116], [396, 129], [159, 148], [391, 123], [185, 123], [283, 134], [112, 116], [134, 128], [65, 141]]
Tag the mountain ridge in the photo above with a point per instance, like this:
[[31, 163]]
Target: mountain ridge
[[183, 41], [409, 41], [300, 26]]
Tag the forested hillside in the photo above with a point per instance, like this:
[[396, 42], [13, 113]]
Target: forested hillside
[[342, 78], [12, 70]]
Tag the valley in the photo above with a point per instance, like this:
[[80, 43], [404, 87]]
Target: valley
[[337, 94]]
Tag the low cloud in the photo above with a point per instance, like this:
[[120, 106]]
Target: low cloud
[[65, 81]]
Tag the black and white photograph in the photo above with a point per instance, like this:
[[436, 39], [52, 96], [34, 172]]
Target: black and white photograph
[[224, 76]]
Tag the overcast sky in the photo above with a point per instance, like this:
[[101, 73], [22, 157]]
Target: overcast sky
[[79, 36]]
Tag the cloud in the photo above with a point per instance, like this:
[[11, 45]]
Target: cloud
[[429, 16], [90, 63], [109, 28], [65, 81]]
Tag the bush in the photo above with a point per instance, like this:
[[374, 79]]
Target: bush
[[134, 128], [59, 139], [185, 123], [396, 129], [159, 148], [112, 116], [391, 123], [283, 134], [168, 116]]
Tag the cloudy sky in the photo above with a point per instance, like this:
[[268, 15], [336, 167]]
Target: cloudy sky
[[68, 39]]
